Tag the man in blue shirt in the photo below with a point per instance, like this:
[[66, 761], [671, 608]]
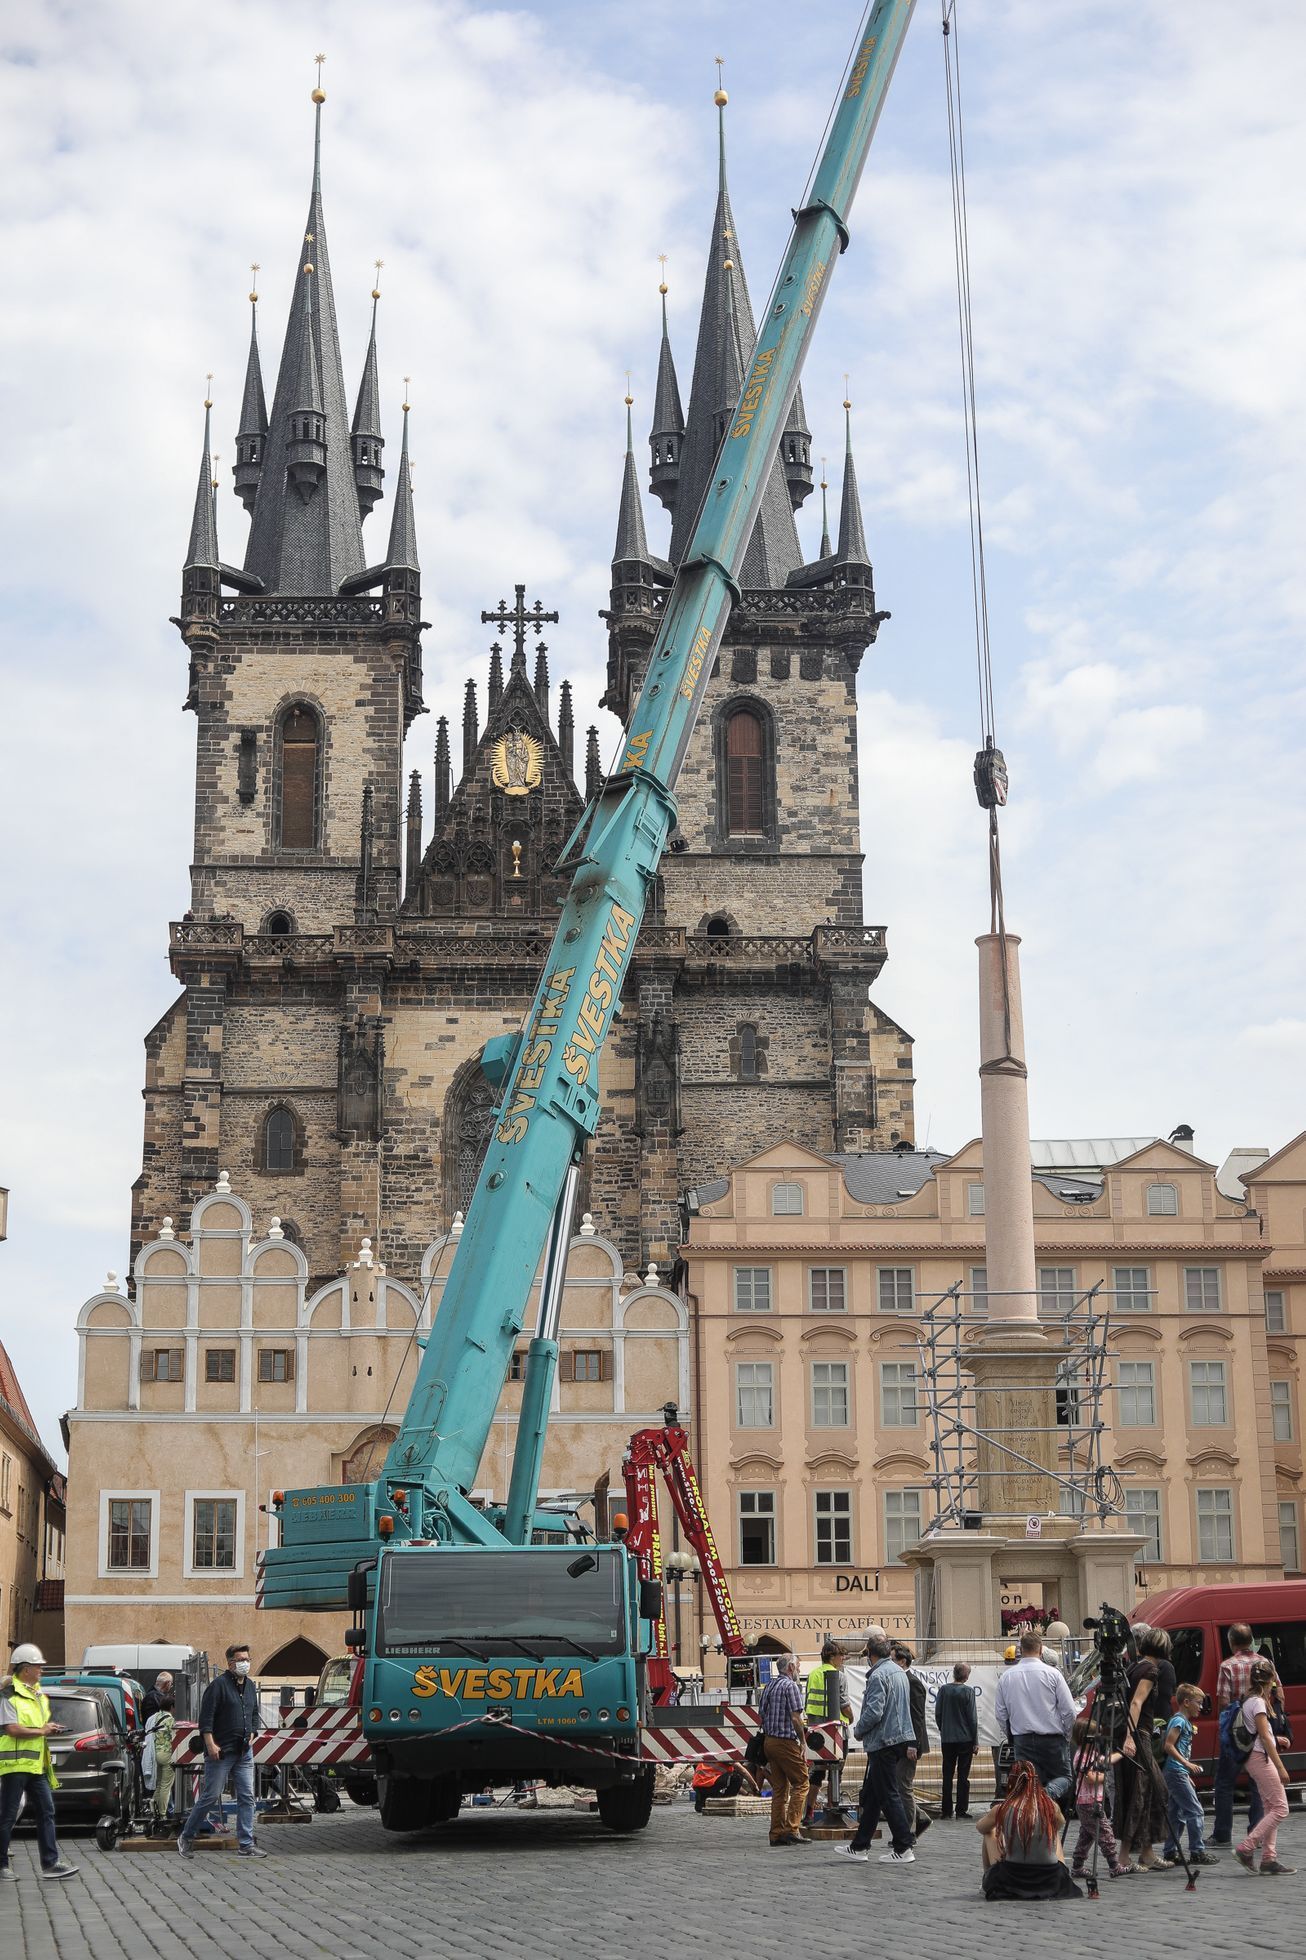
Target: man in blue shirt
[[229, 1721], [884, 1728]]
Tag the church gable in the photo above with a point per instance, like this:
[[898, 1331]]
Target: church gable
[[494, 845]]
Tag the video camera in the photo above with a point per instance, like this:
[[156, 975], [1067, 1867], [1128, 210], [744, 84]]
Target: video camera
[[1113, 1637]]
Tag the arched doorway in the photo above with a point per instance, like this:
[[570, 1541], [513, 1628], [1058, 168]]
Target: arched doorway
[[298, 1660]]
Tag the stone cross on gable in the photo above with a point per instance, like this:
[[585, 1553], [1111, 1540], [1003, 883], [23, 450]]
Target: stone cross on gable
[[520, 617]]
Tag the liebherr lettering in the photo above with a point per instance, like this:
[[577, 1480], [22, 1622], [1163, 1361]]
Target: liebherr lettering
[[536, 1049], [579, 1054]]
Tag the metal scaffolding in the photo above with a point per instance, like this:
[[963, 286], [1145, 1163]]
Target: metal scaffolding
[[1086, 1486]]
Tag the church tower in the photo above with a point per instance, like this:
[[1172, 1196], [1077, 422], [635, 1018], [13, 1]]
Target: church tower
[[763, 990], [304, 676]]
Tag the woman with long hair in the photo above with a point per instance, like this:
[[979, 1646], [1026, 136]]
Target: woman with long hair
[[1021, 1836]]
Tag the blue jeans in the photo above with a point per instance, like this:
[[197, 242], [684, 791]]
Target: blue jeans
[[1048, 1755], [41, 1800], [1229, 1768], [881, 1797], [240, 1768], [1184, 1810]]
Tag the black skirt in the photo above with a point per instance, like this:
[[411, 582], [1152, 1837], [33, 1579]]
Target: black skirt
[[1006, 1880]]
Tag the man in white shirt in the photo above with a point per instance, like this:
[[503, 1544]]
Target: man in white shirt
[[1034, 1710]]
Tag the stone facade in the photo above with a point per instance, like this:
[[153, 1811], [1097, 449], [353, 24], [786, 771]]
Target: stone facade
[[32, 1524]]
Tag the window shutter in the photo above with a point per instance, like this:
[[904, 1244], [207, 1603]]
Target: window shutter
[[290, 1364], [147, 1364], [299, 739], [605, 1364], [176, 1364], [566, 1367]]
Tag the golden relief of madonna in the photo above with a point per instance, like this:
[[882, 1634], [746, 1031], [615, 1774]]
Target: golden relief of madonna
[[517, 762]]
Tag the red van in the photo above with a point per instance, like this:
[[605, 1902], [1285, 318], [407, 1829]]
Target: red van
[[1198, 1619]]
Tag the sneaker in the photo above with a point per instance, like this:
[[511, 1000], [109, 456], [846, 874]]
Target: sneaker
[[898, 1857], [62, 1870], [847, 1851], [185, 1849], [6, 1871], [251, 1851], [1271, 1868], [1162, 1865], [1122, 1871], [965, 1816], [1246, 1857], [1203, 1858]]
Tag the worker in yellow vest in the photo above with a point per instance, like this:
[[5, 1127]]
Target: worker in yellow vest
[[25, 1766], [827, 1700]]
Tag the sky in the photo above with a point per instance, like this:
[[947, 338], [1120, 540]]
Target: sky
[[1138, 289]]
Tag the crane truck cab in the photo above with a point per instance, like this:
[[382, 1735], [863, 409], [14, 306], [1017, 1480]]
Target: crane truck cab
[[488, 1667]]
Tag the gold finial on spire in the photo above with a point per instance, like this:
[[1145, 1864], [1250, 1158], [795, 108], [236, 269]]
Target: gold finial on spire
[[208, 390], [662, 261], [630, 399], [253, 283], [824, 484], [216, 459], [846, 402], [720, 98], [318, 95], [376, 290], [407, 379]]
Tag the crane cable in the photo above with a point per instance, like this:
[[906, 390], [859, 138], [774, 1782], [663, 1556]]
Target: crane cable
[[990, 766]]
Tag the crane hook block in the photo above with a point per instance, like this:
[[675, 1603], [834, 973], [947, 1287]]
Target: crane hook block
[[991, 777]]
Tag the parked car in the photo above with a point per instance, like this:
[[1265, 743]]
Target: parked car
[[97, 1772]]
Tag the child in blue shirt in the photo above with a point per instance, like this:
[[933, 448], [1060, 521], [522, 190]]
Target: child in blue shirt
[[1183, 1803]]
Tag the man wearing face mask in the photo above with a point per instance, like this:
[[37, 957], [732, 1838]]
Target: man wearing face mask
[[229, 1721]]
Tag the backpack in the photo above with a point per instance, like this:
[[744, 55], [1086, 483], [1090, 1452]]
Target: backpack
[[1242, 1740]]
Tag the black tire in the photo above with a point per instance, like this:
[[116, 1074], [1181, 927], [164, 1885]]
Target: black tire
[[405, 1802], [446, 1799], [107, 1833], [627, 1806], [361, 1790]]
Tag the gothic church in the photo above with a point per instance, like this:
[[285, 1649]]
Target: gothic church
[[341, 971]]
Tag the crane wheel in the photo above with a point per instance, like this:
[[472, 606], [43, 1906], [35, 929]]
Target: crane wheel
[[445, 1799], [405, 1802], [628, 1806]]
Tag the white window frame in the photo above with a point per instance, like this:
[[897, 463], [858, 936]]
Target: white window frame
[[755, 1388], [833, 1518], [826, 1272], [1141, 1383], [1125, 1293], [1208, 1385], [1281, 1399], [895, 1275], [6, 1482], [1144, 1518], [974, 1201], [770, 1512], [838, 1382], [892, 1557], [1057, 1291], [1276, 1316], [150, 1571], [1215, 1516], [979, 1290], [1162, 1200], [1203, 1275], [780, 1196], [897, 1389], [1289, 1534], [189, 1568], [736, 1274]]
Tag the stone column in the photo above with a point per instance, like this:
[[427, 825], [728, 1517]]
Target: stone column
[[1004, 1122]]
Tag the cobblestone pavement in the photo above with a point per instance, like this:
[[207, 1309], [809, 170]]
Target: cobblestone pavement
[[557, 1886]]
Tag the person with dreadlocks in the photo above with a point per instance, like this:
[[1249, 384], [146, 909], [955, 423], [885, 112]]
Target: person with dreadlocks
[[1021, 1836]]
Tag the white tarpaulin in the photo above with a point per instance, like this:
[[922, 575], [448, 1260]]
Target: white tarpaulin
[[984, 1677]]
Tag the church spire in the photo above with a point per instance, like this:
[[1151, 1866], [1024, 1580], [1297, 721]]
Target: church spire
[[668, 431], [852, 535], [726, 339], [826, 547], [593, 766], [366, 439], [401, 552], [632, 539], [541, 687], [442, 766], [253, 415], [566, 728], [305, 539], [413, 834], [202, 551]]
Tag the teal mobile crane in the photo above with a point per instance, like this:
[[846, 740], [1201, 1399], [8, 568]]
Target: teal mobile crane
[[488, 1657]]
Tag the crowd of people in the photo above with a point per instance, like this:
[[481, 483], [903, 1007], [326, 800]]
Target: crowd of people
[[1120, 1776]]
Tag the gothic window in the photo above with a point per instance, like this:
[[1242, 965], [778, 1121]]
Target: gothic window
[[469, 1117], [718, 928], [747, 1052], [279, 925], [745, 766], [281, 1142], [301, 744]]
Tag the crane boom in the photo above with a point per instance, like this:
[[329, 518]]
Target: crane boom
[[550, 1071]]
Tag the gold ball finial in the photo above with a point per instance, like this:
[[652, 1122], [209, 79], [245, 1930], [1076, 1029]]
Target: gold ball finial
[[847, 403], [630, 401], [729, 265], [308, 265], [376, 290], [720, 98], [318, 95], [254, 273], [208, 391], [662, 261]]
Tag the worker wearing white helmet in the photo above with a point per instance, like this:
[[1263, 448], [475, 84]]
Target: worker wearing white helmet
[[25, 1766]]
